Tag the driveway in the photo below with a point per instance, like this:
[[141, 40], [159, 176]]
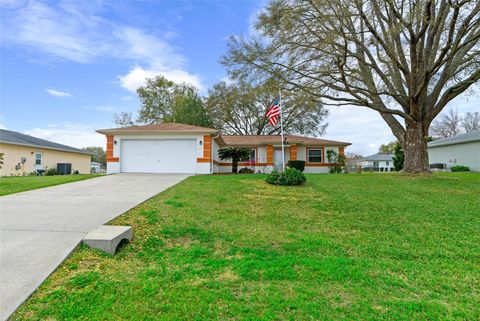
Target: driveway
[[40, 228]]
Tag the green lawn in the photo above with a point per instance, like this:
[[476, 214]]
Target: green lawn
[[15, 184], [344, 247]]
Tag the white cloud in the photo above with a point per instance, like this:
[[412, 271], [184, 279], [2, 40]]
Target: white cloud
[[57, 93], [362, 127], [75, 135], [136, 77], [66, 30], [126, 98]]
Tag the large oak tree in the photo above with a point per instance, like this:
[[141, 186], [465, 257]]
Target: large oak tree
[[406, 59]]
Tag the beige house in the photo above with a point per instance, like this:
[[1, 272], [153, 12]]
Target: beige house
[[24, 154]]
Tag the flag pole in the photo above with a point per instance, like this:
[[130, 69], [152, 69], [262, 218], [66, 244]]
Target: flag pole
[[281, 126]]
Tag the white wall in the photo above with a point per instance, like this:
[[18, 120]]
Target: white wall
[[114, 167], [467, 154], [381, 164]]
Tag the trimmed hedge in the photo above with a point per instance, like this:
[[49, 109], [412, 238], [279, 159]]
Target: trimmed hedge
[[460, 168], [297, 164], [289, 177]]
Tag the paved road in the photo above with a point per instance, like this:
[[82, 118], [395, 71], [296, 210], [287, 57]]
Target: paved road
[[40, 228]]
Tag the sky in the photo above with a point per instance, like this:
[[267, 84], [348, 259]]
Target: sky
[[66, 67]]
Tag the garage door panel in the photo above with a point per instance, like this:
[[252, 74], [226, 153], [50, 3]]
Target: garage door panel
[[158, 156]]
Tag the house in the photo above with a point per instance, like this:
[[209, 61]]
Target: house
[[378, 163], [95, 167], [24, 154], [462, 149], [180, 148]]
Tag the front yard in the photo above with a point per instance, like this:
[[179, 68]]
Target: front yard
[[15, 184], [344, 247]]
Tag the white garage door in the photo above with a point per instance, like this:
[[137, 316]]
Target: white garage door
[[158, 156]]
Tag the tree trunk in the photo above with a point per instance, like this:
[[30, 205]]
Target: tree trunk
[[415, 148], [234, 166]]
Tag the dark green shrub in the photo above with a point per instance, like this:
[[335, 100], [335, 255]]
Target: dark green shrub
[[290, 176], [337, 161], [398, 157], [460, 168], [246, 170], [297, 164], [51, 172]]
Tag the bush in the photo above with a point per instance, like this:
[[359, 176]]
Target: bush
[[460, 168], [246, 170], [297, 164], [51, 172], [290, 176]]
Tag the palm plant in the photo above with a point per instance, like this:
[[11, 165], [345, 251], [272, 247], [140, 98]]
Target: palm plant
[[236, 154]]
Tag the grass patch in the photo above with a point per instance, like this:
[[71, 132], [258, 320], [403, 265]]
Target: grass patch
[[232, 247], [16, 184]]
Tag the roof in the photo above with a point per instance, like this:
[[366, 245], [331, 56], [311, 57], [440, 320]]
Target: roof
[[16, 138], [254, 140], [457, 139], [379, 157], [155, 128]]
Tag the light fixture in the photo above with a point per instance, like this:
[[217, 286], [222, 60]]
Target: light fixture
[[201, 143], [115, 142]]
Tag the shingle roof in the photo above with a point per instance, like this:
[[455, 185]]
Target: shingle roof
[[457, 139], [16, 138], [379, 157], [253, 140], [161, 127]]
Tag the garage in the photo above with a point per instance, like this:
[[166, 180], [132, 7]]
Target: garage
[[158, 156]]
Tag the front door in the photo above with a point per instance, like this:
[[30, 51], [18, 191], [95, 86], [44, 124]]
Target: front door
[[277, 159]]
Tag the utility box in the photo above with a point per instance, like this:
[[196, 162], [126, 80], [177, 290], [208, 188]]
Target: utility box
[[64, 168]]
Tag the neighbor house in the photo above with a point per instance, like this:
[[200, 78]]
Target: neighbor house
[[180, 148], [462, 149], [378, 163], [24, 154]]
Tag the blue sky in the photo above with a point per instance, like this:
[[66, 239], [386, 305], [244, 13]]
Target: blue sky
[[68, 66]]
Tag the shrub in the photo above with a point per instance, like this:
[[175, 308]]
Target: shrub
[[337, 161], [246, 170], [460, 168], [297, 164], [51, 172], [290, 176]]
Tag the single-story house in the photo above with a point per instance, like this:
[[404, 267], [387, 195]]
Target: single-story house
[[180, 148], [95, 167], [378, 163], [462, 149], [24, 154]]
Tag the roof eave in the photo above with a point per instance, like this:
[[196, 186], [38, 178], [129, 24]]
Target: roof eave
[[48, 147]]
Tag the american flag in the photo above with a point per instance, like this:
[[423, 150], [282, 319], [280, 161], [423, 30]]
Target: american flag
[[273, 112]]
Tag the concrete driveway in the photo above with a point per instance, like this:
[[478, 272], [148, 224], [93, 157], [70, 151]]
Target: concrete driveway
[[40, 228]]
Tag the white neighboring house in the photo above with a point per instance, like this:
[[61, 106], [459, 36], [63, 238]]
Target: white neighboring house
[[462, 149], [95, 167], [378, 163], [181, 148]]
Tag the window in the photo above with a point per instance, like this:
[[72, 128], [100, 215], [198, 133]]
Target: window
[[315, 155], [375, 164], [38, 158], [253, 155], [388, 163]]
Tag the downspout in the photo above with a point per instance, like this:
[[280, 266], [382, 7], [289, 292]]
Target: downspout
[[211, 153]]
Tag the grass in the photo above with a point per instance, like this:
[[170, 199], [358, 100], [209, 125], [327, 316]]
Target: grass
[[15, 184], [343, 247]]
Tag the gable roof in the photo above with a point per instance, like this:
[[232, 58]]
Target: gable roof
[[457, 139], [16, 138], [156, 128], [254, 140], [379, 157]]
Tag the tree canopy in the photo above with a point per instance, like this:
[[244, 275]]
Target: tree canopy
[[165, 101], [404, 59], [239, 108], [98, 154]]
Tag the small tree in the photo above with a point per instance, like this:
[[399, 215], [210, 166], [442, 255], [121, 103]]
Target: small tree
[[236, 154], [98, 154], [1, 160], [338, 161], [398, 157]]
